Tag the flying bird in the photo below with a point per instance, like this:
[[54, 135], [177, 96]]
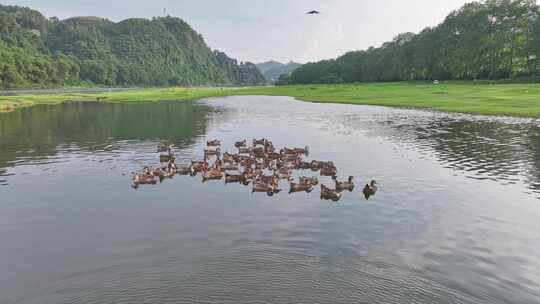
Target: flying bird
[[313, 13]]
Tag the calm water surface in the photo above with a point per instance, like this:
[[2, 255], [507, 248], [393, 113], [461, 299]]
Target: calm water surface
[[456, 219]]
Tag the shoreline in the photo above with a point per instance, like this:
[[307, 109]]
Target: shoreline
[[517, 100]]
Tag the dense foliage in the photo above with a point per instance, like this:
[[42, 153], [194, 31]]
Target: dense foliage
[[272, 70], [493, 39], [39, 52]]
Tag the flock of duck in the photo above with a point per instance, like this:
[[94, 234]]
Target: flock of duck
[[258, 163]]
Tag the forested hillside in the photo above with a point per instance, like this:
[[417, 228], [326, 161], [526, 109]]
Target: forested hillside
[[494, 39], [40, 52]]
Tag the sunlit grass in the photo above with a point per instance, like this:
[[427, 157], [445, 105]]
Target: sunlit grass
[[492, 99]]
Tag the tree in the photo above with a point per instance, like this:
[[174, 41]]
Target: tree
[[493, 39]]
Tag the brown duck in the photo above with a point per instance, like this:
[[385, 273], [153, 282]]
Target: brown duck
[[300, 187], [329, 171], [211, 152], [213, 143], [314, 181], [233, 178], [284, 173], [198, 166], [270, 188], [259, 142], [214, 174], [142, 179], [347, 185], [329, 194], [239, 144], [370, 189]]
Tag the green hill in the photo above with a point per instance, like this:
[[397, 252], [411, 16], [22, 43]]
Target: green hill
[[492, 40], [40, 52]]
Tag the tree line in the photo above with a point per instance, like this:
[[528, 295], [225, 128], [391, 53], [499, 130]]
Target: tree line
[[40, 52], [491, 40]]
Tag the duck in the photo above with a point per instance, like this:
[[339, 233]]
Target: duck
[[284, 173], [315, 165], [329, 194], [233, 178], [213, 143], [218, 164], [347, 185], [247, 162], [142, 179], [290, 157], [230, 158], [250, 175], [277, 164], [300, 187], [302, 165], [326, 164], [267, 178], [259, 141], [170, 154], [211, 152], [313, 181], [298, 151], [269, 147], [156, 172], [214, 174], [329, 171], [270, 188], [370, 189], [240, 144], [198, 166], [258, 152], [163, 174], [244, 150], [229, 167], [288, 152], [171, 166], [260, 165], [273, 156]]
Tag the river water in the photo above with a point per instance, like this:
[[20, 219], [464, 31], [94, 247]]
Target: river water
[[456, 218]]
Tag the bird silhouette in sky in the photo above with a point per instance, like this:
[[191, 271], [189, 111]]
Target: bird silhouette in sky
[[313, 13]]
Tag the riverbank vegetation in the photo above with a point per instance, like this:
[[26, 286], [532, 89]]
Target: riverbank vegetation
[[521, 100]]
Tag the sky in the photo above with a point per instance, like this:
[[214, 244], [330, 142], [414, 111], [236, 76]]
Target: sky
[[260, 30]]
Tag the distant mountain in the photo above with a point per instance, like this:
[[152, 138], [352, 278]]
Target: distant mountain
[[265, 66], [40, 52], [273, 69]]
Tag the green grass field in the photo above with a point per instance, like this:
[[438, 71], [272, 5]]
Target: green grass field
[[465, 97]]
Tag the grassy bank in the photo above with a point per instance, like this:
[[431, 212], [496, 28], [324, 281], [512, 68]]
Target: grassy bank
[[465, 97], [502, 99], [10, 103]]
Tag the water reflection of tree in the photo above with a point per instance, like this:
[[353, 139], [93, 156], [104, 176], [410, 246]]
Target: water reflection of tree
[[36, 132]]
